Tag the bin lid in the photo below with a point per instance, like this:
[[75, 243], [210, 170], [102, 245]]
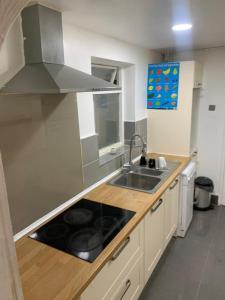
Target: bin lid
[[204, 182]]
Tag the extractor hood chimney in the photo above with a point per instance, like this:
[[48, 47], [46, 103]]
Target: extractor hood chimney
[[44, 71]]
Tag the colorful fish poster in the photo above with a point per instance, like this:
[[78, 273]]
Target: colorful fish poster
[[163, 83]]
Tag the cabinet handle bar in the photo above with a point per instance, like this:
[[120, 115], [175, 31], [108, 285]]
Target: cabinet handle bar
[[128, 284], [175, 183], [121, 249], [157, 205]]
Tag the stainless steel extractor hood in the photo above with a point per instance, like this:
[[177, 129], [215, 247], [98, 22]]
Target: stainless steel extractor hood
[[44, 71]]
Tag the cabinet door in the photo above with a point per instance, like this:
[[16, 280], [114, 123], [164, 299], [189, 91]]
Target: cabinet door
[[154, 236], [171, 210], [130, 285], [103, 283]]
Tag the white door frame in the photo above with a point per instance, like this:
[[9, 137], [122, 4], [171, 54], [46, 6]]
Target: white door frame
[[10, 285], [9, 11]]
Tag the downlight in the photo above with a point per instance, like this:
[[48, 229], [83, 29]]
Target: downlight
[[182, 27]]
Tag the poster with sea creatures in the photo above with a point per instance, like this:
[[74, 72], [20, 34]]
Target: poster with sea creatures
[[163, 83]]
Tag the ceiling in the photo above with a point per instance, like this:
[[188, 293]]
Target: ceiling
[[147, 23]]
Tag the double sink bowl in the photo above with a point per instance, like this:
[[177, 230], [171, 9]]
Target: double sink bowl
[[143, 179]]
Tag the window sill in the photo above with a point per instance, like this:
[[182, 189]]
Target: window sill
[[104, 159]]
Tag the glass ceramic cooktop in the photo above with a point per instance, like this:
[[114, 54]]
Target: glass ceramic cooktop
[[84, 229]]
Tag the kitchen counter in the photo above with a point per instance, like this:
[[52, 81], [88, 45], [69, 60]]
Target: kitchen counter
[[48, 273]]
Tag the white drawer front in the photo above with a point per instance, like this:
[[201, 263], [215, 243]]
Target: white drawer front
[[104, 280], [131, 286]]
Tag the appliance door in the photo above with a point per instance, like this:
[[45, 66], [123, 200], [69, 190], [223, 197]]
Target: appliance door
[[186, 205]]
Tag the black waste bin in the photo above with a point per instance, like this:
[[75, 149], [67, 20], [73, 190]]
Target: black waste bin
[[203, 188]]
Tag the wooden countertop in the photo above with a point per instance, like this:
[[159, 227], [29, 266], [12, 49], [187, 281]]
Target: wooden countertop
[[48, 273]]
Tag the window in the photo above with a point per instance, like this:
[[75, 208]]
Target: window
[[108, 110]]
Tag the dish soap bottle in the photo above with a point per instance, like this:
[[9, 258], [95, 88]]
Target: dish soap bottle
[[143, 160]]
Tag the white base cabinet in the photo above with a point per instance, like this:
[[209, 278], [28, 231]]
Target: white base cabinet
[[154, 237], [129, 284], [124, 276], [160, 225], [171, 211]]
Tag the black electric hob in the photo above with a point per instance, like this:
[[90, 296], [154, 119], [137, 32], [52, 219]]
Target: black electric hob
[[84, 229]]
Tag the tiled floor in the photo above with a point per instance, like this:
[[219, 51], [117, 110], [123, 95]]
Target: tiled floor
[[193, 268]]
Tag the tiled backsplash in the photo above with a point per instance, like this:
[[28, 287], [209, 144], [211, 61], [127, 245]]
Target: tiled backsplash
[[141, 128], [89, 148], [95, 168], [95, 172], [131, 127]]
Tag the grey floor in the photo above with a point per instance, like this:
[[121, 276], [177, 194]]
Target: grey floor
[[193, 268]]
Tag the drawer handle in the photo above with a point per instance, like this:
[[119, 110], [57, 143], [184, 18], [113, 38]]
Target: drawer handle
[[175, 183], [128, 284], [114, 257], [157, 205]]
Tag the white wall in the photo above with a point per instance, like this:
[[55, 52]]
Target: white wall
[[169, 130], [80, 45], [211, 124], [11, 53]]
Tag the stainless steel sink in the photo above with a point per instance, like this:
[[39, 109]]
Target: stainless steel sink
[[142, 178], [136, 181], [147, 171]]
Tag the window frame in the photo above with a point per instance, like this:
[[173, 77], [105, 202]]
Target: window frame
[[116, 69], [108, 149]]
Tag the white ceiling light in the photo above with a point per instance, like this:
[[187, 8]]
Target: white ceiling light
[[182, 27]]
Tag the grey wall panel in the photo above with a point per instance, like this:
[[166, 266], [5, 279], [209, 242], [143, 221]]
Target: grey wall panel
[[40, 144]]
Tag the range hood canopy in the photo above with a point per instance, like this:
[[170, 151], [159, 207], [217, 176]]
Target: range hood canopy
[[44, 71]]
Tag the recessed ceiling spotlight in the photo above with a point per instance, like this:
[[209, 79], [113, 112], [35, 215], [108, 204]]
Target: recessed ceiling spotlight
[[182, 27]]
